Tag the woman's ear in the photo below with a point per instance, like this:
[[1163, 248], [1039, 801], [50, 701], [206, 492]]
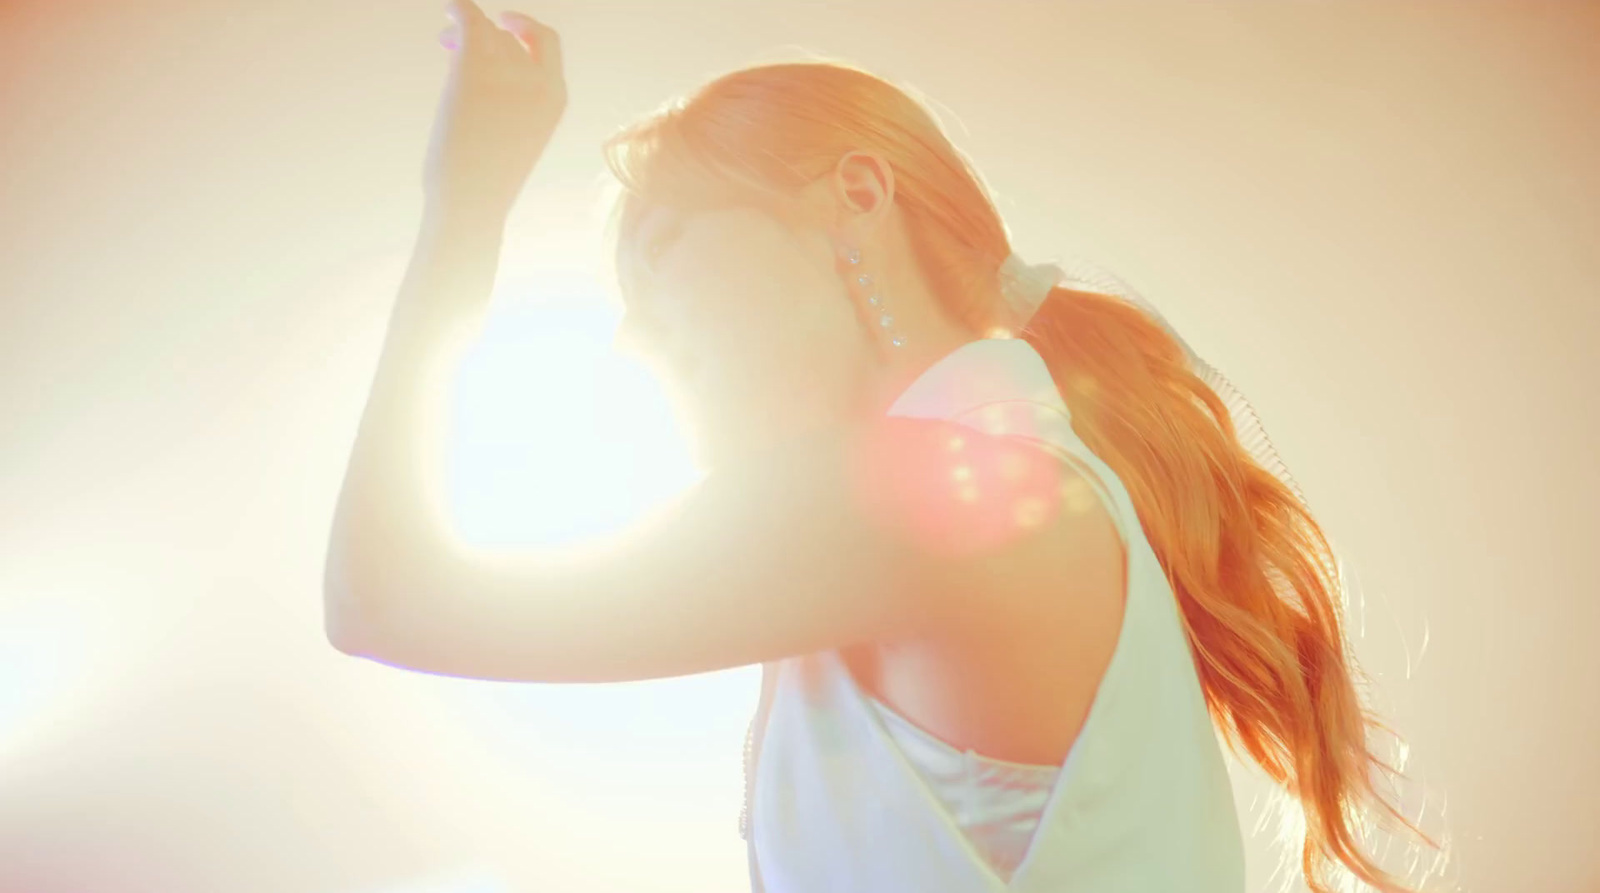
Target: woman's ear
[[864, 182]]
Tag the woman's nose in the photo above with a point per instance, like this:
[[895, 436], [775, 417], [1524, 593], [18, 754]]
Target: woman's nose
[[670, 356], [681, 361]]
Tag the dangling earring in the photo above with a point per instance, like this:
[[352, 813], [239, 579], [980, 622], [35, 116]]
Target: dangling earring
[[875, 301]]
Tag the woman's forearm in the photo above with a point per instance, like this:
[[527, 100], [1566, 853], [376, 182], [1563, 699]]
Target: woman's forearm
[[389, 523]]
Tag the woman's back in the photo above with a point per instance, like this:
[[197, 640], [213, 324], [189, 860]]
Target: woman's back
[[1047, 642], [1142, 801]]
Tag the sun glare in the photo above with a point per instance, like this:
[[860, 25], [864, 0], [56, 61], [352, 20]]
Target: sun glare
[[556, 437]]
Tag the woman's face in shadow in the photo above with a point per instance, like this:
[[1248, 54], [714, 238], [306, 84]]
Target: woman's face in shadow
[[750, 325]]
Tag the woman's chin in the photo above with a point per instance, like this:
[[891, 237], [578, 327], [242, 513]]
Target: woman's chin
[[712, 445], [703, 455], [706, 445]]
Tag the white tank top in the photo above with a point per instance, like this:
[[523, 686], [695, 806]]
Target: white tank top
[[995, 803], [845, 798]]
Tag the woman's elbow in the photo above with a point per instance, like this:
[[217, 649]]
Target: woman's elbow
[[343, 623], [340, 623], [342, 630]]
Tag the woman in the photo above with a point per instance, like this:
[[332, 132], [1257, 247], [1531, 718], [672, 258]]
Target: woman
[[1001, 550]]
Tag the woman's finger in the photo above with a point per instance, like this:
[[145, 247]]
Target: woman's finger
[[519, 23], [466, 13], [473, 26], [541, 40]]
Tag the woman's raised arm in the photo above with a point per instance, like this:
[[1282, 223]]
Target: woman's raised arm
[[847, 536]]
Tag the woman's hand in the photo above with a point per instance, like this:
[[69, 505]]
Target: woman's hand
[[500, 106]]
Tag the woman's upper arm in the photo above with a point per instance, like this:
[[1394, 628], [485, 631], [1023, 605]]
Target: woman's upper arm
[[854, 535]]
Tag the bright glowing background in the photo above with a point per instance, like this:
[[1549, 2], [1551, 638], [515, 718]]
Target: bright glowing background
[[556, 437]]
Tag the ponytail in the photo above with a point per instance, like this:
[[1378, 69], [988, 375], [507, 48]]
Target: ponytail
[[1254, 575]]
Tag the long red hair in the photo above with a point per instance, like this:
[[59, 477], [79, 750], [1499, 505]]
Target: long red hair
[[1255, 576]]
